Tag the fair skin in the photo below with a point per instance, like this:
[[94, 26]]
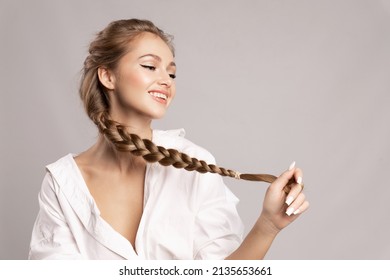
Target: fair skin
[[140, 90], [116, 179]]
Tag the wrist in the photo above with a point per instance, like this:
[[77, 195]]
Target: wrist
[[266, 227]]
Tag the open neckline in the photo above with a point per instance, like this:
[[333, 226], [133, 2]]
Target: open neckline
[[138, 235], [86, 190], [85, 186]]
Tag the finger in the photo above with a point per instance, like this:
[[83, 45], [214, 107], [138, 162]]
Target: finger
[[298, 175], [294, 205], [297, 178], [295, 190], [284, 178], [302, 208]]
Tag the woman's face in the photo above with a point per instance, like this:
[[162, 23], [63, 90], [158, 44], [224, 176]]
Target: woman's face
[[143, 82]]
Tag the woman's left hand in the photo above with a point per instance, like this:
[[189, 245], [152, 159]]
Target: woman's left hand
[[281, 209]]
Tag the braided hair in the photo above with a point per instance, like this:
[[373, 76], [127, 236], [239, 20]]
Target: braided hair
[[106, 50]]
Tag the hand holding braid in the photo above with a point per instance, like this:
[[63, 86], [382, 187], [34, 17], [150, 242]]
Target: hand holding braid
[[132, 143]]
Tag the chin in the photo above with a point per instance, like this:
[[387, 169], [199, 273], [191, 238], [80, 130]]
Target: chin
[[157, 114]]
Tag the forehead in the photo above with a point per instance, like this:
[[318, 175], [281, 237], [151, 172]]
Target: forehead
[[148, 43]]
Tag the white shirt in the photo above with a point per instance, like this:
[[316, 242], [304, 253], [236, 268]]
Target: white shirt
[[186, 214]]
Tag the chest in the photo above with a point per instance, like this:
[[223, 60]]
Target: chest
[[120, 201]]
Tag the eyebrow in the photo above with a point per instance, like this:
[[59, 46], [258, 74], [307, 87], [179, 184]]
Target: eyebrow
[[156, 57]]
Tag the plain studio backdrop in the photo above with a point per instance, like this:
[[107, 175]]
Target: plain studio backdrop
[[259, 84]]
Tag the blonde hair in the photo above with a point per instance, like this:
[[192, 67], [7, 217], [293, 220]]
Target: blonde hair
[[106, 50]]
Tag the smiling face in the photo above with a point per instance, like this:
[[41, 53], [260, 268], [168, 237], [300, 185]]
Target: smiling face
[[142, 86]]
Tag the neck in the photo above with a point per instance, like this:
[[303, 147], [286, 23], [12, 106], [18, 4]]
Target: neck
[[119, 161], [134, 122], [142, 131]]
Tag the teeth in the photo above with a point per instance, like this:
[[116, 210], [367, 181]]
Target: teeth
[[157, 94]]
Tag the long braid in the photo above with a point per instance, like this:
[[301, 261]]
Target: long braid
[[127, 142], [106, 50]]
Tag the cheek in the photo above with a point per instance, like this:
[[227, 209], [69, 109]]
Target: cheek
[[139, 80], [173, 90], [173, 94], [135, 80]]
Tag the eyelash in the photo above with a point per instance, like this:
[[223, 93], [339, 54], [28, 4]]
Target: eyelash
[[152, 68]]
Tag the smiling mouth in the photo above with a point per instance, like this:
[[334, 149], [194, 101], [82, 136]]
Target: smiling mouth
[[159, 96]]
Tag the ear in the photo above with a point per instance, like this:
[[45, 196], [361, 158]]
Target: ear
[[106, 77]]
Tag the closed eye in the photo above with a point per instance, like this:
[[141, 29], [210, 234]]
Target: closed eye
[[152, 68]]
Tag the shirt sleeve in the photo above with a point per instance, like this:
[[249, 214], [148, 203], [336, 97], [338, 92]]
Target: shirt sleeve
[[218, 227], [51, 236]]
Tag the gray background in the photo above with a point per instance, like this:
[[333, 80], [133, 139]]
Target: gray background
[[260, 84]]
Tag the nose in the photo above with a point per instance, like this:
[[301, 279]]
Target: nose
[[165, 80]]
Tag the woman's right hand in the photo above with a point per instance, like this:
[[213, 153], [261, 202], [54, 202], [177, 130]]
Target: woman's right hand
[[281, 209]]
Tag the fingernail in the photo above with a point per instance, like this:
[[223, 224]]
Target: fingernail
[[289, 211], [297, 211], [292, 165], [299, 180], [289, 200]]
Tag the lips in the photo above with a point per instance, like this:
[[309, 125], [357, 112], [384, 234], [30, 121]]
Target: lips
[[159, 95]]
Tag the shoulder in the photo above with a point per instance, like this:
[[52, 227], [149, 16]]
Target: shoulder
[[175, 139], [61, 166], [62, 172]]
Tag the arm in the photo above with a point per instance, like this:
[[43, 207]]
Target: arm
[[256, 243], [276, 215]]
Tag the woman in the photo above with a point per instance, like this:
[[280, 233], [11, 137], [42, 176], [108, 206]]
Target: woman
[[128, 196]]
